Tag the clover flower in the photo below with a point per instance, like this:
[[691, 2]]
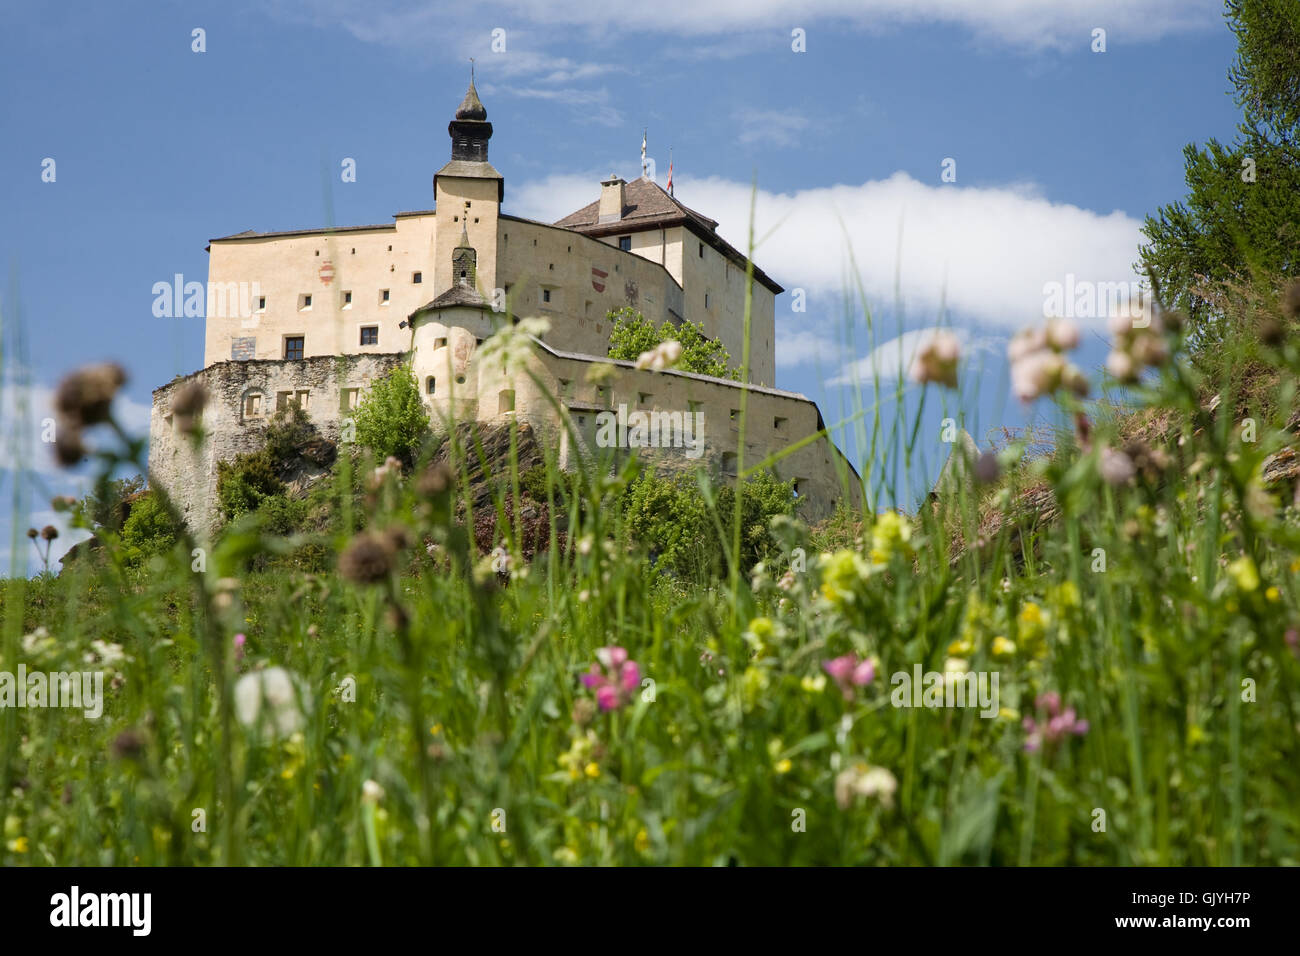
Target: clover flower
[[1053, 725], [850, 673], [1037, 365], [864, 780], [614, 677], [936, 360]]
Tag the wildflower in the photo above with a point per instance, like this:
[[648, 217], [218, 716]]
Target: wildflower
[[614, 677], [578, 756], [1037, 366], [889, 536], [188, 405], [642, 841], [63, 503], [1053, 724], [1136, 345], [391, 466], [371, 792], [1244, 574], [271, 696], [367, 560], [849, 672], [662, 356], [18, 845], [784, 765], [1273, 595], [84, 397], [1116, 467], [49, 533], [592, 770], [841, 572], [863, 780], [813, 684], [936, 360], [240, 640], [501, 560], [434, 481], [105, 654], [32, 533], [1002, 647], [68, 446]]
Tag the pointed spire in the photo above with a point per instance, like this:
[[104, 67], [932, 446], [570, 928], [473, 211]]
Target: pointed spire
[[471, 108]]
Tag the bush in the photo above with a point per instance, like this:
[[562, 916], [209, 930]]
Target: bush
[[391, 419], [243, 484], [633, 334], [148, 530]]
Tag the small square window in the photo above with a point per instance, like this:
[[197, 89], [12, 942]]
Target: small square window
[[440, 343], [643, 398], [370, 335], [252, 406], [293, 347], [304, 301], [778, 423], [283, 400], [261, 303], [417, 277], [546, 295], [351, 396], [735, 414], [625, 243], [347, 300], [383, 297]]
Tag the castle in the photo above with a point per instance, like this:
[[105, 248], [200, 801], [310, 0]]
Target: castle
[[333, 309]]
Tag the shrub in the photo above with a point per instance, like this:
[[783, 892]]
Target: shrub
[[633, 334], [391, 419], [148, 530]]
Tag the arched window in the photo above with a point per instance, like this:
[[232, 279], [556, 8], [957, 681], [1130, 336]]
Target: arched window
[[430, 384]]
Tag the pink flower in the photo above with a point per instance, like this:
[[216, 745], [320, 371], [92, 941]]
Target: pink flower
[[1059, 723], [613, 677], [239, 646], [936, 360], [849, 672]]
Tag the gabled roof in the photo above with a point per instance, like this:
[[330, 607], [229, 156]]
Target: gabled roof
[[646, 205], [462, 295]]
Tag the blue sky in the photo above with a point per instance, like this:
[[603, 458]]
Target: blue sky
[[1059, 151]]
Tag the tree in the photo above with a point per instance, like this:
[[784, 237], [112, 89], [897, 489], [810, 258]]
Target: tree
[[1242, 216], [633, 334], [391, 419]]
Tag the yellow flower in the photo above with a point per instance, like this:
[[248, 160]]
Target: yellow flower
[[1006, 713], [1195, 734], [1003, 647], [1295, 565], [19, 845], [592, 770], [783, 766], [814, 685], [1273, 594], [436, 729], [962, 647], [286, 773], [642, 841], [1244, 573], [841, 573], [889, 536]]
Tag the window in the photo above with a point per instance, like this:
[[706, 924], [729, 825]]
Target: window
[[701, 250], [302, 399], [347, 300], [293, 346], [643, 398], [439, 343], [506, 401], [778, 423], [546, 295], [735, 414], [694, 407], [253, 405], [565, 385], [706, 300], [304, 301], [430, 385], [383, 297], [417, 277], [350, 399], [283, 400], [261, 303], [794, 487], [370, 335], [625, 243], [460, 379], [602, 394]]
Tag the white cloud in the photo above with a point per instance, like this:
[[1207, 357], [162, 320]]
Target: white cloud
[[591, 105], [1029, 24], [892, 359], [778, 127], [983, 253]]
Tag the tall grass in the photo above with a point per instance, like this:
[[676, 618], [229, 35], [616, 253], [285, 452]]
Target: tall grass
[[455, 684]]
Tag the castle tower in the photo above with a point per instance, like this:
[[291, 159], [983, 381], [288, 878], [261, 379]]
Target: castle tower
[[468, 193]]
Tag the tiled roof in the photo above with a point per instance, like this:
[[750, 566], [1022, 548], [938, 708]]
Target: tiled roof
[[646, 205], [456, 295], [324, 231]]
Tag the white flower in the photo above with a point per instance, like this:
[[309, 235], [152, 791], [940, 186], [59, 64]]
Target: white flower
[[862, 780], [1121, 365], [284, 701], [371, 792], [105, 654], [1116, 467], [1062, 334], [662, 356], [936, 360]]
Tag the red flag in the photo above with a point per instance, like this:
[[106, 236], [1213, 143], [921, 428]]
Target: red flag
[[670, 177]]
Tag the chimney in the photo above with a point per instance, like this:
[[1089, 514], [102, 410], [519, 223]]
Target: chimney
[[611, 199]]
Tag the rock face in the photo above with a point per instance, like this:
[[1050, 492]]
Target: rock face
[[242, 398]]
